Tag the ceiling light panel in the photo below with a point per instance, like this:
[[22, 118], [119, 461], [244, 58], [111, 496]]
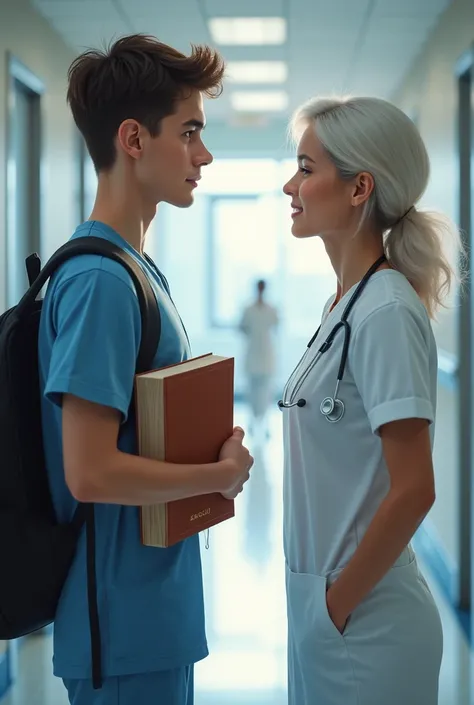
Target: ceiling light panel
[[248, 31], [257, 71], [259, 101]]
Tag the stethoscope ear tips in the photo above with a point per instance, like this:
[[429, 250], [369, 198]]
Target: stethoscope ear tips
[[300, 403]]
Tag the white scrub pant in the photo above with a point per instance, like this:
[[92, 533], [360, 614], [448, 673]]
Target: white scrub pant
[[391, 650]]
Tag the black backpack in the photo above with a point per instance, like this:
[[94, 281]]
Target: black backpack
[[36, 552]]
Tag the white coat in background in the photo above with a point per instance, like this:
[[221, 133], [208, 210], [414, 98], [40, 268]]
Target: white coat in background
[[258, 324]]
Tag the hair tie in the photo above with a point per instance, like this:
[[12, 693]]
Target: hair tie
[[403, 216]]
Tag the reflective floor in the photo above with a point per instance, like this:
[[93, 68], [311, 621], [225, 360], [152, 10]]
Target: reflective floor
[[243, 570]]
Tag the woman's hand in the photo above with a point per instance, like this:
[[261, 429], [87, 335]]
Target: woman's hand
[[338, 616]]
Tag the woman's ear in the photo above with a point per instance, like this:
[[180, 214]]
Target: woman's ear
[[363, 188]]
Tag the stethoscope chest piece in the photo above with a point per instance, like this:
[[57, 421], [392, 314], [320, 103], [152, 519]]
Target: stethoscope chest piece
[[332, 409]]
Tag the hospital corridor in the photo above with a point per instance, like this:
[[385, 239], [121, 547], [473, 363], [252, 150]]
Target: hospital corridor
[[288, 185], [245, 608]]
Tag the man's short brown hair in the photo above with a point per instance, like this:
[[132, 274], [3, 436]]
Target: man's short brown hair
[[137, 78]]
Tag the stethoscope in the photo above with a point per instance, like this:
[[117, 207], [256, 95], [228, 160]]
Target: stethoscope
[[332, 408]]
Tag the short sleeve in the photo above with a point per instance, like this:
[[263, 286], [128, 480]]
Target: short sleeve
[[96, 318], [390, 361]]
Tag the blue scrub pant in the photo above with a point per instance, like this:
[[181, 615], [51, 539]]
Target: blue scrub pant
[[160, 688]]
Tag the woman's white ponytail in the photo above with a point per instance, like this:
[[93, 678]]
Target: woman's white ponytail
[[414, 246]]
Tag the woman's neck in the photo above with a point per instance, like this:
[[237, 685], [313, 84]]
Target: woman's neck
[[352, 258]]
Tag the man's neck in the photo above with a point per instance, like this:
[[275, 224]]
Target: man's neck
[[121, 209]]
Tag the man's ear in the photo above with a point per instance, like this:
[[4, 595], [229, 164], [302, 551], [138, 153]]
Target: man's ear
[[130, 138]]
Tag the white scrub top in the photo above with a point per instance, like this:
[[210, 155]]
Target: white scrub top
[[258, 324], [335, 475]]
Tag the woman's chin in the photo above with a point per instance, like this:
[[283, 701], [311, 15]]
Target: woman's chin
[[298, 229]]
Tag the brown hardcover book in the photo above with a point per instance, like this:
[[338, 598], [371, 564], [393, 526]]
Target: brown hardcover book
[[185, 413]]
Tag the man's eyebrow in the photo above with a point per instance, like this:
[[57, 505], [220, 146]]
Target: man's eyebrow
[[194, 123]]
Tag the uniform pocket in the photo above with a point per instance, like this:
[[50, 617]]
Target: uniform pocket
[[308, 605], [325, 616], [320, 669]]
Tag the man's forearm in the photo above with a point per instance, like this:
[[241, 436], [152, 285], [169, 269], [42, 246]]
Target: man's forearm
[[133, 480]]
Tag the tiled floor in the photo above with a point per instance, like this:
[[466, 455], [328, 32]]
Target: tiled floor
[[243, 570]]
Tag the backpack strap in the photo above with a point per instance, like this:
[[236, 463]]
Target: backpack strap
[[33, 267], [149, 310], [151, 330]]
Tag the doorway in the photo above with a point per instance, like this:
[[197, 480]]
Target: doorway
[[23, 175]]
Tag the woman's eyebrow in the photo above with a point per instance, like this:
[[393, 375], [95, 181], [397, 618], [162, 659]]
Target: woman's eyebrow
[[305, 158]]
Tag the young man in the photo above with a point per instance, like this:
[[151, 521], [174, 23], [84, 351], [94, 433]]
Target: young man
[[140, 109]]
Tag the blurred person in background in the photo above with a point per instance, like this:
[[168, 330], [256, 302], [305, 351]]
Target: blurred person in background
[[258, 324]]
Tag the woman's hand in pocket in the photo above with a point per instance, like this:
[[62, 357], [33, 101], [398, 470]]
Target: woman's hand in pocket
[[338, 617]]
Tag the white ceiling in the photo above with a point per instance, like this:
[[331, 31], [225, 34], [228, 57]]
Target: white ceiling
[[357, 46]]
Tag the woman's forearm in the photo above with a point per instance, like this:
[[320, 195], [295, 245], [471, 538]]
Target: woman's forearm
[[389, 533]]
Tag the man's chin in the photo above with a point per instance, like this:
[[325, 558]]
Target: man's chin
[[183, 201]]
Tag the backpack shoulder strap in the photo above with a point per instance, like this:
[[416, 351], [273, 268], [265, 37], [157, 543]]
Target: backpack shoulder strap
[[149, 309], [151, 330]]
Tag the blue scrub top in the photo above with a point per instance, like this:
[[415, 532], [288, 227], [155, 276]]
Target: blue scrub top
[[150, 599]]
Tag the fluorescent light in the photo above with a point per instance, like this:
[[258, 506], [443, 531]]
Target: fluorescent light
[[259, 101], [257, 71], [248, 30]]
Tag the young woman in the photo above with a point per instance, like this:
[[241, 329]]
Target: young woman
[[359, 414]]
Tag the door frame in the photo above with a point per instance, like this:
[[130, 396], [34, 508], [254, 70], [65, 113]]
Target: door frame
[[19, 72], [465, 143]]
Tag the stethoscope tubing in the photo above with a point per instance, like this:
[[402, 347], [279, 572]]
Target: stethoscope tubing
[[333, 402]]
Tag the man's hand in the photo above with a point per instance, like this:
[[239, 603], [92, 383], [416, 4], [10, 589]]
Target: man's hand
[[237, 466]]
